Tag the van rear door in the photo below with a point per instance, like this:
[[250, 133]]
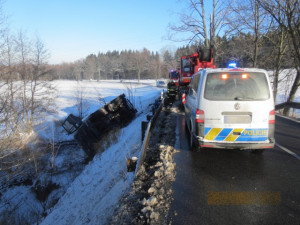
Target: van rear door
[[237, 107]]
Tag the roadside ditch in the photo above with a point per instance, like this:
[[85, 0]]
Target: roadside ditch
[[149, 200]]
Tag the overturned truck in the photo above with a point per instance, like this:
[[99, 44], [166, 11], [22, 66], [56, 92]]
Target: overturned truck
[[88, 133]]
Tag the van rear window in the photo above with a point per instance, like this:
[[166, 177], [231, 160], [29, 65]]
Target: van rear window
[[236, 86]]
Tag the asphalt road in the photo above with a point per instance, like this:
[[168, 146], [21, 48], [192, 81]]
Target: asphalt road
[[237, 187]]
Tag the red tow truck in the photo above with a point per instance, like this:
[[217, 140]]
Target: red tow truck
[[191, 64]]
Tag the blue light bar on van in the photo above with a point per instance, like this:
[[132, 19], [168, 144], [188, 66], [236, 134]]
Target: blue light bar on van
[[232, 65]]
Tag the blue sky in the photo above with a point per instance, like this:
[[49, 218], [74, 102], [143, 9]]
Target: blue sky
[[72, 29]]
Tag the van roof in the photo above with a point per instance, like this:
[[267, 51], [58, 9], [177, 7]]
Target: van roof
[[210, 70]]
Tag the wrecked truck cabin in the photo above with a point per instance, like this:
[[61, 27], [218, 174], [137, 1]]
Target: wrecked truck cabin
[[88, 133]]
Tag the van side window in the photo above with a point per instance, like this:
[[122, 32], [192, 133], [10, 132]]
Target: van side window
[[194, 86], [195, 83], [190, 92]]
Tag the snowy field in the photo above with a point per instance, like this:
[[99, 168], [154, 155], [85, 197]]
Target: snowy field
[[93, 95], [91, 197]]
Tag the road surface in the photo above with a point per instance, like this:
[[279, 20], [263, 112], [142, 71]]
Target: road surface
[[238, 187]]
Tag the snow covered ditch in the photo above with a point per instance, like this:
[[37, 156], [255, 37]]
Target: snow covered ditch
[[93, 195], [78, 193]]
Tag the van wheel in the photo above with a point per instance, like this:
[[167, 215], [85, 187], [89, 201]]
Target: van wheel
[[186, 127], [193, 144], [257, 151]]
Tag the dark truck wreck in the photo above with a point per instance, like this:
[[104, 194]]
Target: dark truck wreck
[[88, 133]]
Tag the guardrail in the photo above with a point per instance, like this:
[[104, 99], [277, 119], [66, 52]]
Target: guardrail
[[295, 105], [147, 135]]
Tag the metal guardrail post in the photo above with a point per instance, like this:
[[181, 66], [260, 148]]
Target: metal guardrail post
[[147, 137], [144, 127]]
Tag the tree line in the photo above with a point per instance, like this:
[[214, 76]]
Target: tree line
[[127, 64], [135, 64]]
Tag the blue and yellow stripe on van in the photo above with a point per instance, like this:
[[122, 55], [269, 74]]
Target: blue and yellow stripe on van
[[235, 134]]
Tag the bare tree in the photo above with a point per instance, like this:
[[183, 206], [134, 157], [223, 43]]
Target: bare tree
[[278, 39], [198, 25], [168, 58], [104, 65], [82, 105], [12, 94], [40, 91], [157, 66], [23, 50], [25, 60], [248, 17], [92, 66], [286, 14], [140, 62]]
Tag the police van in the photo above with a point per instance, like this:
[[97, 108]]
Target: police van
[[230, 108]]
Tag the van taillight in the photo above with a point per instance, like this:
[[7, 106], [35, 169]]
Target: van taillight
[[199, 116], [272, 117]]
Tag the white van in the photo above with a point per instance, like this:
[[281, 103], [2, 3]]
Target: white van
[[230, 108]]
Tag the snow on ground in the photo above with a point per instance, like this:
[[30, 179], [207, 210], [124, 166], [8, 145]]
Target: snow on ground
[[94, 95], [91, 197]]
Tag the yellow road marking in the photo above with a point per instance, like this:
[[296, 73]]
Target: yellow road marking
[[244, 198]]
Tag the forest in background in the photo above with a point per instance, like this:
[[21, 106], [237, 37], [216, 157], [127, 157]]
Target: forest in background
[[144, 64]]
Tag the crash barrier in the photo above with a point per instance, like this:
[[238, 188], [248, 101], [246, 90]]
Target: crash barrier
[[146, 133], [117, 113], [295, 105]]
